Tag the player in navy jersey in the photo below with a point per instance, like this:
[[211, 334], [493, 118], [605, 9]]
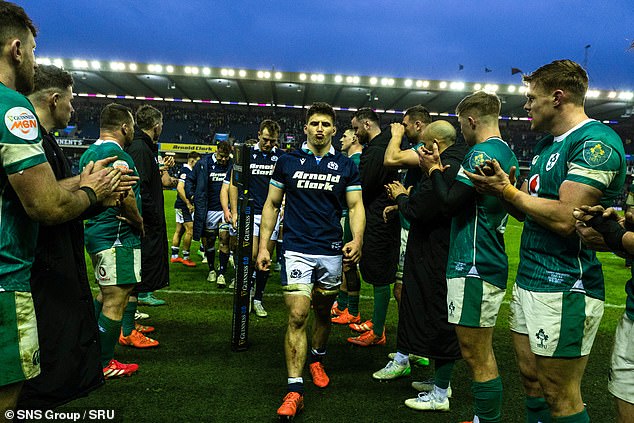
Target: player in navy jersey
[[318, 183], [183, 211], [204, 184], [263, 156]]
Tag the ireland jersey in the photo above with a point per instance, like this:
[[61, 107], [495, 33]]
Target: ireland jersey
[[592, 154], [20, 149], [477, 233], [105, 231]]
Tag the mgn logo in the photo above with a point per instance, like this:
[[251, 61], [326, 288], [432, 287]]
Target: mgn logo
[[22, 123]]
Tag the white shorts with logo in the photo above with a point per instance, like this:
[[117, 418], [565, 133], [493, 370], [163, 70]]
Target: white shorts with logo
[[473, 302], [558, 324], [214, 220], [621, 376], [117, 266], [183, 216], [304, 271], [256, 227]]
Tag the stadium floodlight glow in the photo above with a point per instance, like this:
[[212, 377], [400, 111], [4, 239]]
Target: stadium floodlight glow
[[408, 83], [373, 81], [612, 94], [339, 79], [267, 74], [188, 70], [593, 94], [442, 85], [458, 86], [59, 63], [79, 64], [278, 75], [133, 67], [626, 95], [522, 89], [117, 66], [195, 70], [206, 71], [43, 61], [302, 76], [511, 88], [157, 68], [223, 72], [95, 64], [477, 87], [169, 68], [260, 74], [491, 88], [242, 73], [385, 81]]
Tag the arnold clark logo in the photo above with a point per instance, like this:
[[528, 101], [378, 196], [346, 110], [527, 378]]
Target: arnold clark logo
[[22, 123]]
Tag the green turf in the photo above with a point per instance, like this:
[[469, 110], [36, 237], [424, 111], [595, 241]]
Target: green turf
[[194, 376]]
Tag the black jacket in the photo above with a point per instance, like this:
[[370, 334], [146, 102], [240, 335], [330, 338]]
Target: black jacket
[[67, 329], [381, 241], [154, 247]]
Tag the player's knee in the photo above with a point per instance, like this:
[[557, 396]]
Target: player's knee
[[298, 317]]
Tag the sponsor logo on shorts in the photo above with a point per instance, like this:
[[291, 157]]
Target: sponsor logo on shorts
[[22, 123], [296, 274], [451, 308], [36, 358], [542, 338], [103, 274]]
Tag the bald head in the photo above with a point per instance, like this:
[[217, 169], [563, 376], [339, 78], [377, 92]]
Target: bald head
[[441, 131]]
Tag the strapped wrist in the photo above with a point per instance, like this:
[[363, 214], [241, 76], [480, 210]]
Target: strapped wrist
[[509, 192], [92, 197]]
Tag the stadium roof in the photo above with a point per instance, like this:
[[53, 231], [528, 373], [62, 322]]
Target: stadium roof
[[160, 82]]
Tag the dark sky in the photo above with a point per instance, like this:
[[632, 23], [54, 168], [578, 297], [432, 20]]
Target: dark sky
[[408, 38]]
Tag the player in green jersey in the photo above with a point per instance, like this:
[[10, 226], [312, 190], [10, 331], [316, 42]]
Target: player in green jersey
[[113, 238], [558, 295], [477, 268]]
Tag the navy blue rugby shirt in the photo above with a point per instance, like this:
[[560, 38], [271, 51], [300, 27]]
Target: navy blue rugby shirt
[[182, 176], [217, 175], [315, 198], [262, 165]]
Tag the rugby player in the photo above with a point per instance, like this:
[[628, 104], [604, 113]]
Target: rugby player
[[183, 211]]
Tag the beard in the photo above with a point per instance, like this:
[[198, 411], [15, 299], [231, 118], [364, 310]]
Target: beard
[[25, 79], [363, 138]]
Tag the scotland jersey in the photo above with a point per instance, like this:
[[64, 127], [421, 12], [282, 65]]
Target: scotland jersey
[[315, 197], [217, 175], [182, 176], [262, 165], [592, 154]]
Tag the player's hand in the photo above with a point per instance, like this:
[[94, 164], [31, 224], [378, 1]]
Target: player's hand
[[590, 237], [387, 211], [429, 160], [490, 178], [127, 178], [104, 163], [190, 207], [168, 162], [103, 182], [394, 189], [228, 217], [138, 225], [114, 200], [263, 261], [398, 130], [351, 253]]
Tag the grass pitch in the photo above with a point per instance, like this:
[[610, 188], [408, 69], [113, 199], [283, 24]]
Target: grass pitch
[[193, 376]]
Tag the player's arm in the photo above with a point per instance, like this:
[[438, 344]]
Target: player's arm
[[233, 199], [190, 182], [129, 212], [394, 156], [45, 201], [267, 224], [553, 214], [224, 201], [180, 191], [356, 212]]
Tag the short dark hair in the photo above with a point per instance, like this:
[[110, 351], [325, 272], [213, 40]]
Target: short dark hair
[[419, 112], [224, 148], [14, 22], [114, 115], [563, 75], [480, 103], [321, 108], [193, 155], [272, 126], [365, 113], [147, 117], [49, 76]]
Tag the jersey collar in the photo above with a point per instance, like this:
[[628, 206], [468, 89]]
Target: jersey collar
[[310, 153], [256, 147], [560, 138]]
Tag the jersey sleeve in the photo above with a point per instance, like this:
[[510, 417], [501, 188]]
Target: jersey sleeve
[[595, 160], [227, 180], [354, 181], [482, 152], [278, 178], [20, 139]]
